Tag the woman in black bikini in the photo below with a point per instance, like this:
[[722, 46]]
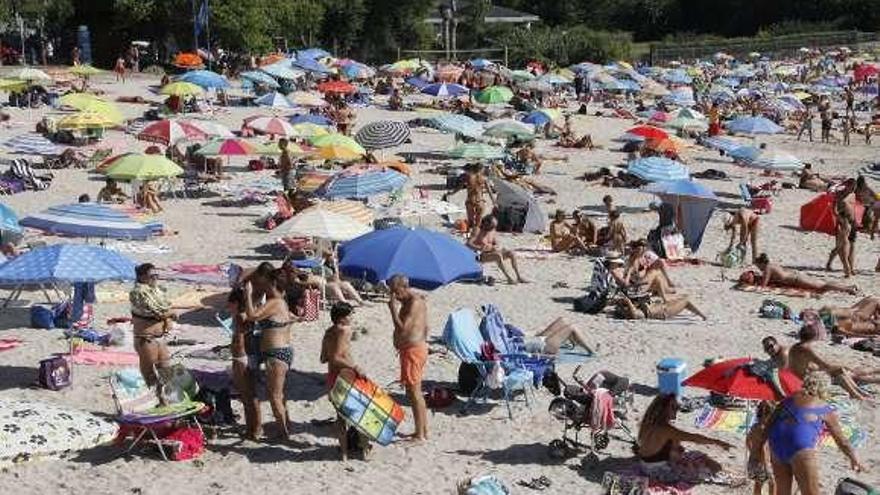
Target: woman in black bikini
[[659, 442], [244, 366], [272, 322]]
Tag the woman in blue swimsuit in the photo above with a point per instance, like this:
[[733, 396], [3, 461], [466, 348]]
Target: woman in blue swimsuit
[[794, 433]]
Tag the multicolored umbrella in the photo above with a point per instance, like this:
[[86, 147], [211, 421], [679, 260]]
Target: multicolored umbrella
[[382, 134], [734, 378], [273, 126], [168, 132], [87, 220], [210, 127], [140, 166], [355, 210], [181, 88]]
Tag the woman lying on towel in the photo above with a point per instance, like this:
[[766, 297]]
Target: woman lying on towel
[[773, 274], [647, 309], [660, 450], [551, 339]]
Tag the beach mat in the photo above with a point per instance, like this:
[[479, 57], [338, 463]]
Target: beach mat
[[777, 291], [740, 421], [366, 407]]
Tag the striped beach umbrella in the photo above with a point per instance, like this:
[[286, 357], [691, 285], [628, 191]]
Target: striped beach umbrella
[[774, 160], [325, 224], [382, 134], [229, 147], [477, 151], [270, 125], [31, 144], [87, 220], [274, 100], [457, 124], [70, 263], [655, 169], [210, 127], [362, 182], [753, 125], [170, 131], [442, 90], [350, 208]]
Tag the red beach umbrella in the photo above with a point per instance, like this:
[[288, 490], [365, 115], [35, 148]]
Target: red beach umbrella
[[734, 379]]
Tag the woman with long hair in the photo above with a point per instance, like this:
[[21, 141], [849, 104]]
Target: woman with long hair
[[245, 362]]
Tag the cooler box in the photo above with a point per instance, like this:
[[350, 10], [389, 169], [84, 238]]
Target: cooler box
[[670, 374]]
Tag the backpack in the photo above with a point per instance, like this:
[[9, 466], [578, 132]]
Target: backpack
[[469, 378], [54, 373], [849, 486], [775, 310]]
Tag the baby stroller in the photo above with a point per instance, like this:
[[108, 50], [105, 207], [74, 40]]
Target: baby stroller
[[599, 404]]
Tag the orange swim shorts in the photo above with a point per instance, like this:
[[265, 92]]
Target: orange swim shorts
[[412, 363]]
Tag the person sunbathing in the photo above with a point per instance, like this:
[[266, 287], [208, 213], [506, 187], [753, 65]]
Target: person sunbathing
[[562, 239], [527, 156], [584, 229], [645, 268], [568, 139], [150, 197], [811, 180], [485, 243], [803, 359], [866, 311], [776, 275], [655, 310], [747, 223], [557, 334]]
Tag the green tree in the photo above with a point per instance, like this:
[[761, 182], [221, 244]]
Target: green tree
[[299, 20]]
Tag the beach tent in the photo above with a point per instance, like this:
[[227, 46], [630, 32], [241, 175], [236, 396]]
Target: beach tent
[[693, 204], [510, 195], [818, 215]]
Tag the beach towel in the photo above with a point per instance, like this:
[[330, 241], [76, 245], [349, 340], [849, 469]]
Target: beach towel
[[739, 422], [139, 248], [536, 253], [97, 357], [198, 274]]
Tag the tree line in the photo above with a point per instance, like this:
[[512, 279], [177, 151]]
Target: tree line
[[374, 30]]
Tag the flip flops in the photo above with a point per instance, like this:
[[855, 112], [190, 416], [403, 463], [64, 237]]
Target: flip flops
[[541, 483]]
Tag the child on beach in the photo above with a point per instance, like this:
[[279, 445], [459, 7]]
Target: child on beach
[[757, 466], [336, 352]]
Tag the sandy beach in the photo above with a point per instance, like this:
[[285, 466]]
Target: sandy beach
[[485, 441]]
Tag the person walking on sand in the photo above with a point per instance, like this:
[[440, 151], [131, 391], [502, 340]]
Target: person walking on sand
[[844, 240], [336, 352], [806, 125], [286, 170], [409, 313], [477, 190], [119, 69]]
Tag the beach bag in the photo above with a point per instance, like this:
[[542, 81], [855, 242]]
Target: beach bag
[[733, 257], [849, 486], [307, 308], [774, 310], [42, 317], [439, 398], [54, 373], [592, 303], [810, 317], [184, 443]]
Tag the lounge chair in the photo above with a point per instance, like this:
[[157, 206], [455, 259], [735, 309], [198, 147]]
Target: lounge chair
[[760, 204], [463, 338], [139, 412]]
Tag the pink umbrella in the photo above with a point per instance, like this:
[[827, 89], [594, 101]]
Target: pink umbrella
[[270, 125], [170, 131]]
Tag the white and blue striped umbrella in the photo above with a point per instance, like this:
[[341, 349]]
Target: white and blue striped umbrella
[[87, 220], [362, 184], [719, 143], [656, 169], [69, 263], [458, 124], [258, 77], [774, 160], [442, 90], [32, 144], [274, 100], [283, 70]]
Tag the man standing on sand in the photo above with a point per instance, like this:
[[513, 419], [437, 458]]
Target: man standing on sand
[[285, 169], [409, 312]]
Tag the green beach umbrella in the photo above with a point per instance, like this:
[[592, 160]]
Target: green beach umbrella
[[141, 166], [495, 94], [477, 151]]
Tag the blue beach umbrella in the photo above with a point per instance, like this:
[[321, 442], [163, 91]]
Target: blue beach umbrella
[[429, 259], [274, 100], [205, 78], [310, 119], [258, 77], [693, 204], [311, 65], [68, 263], [753, 125], [458, 124], [417, 82], [282, 70], [87, 220], [656, 169], [445, 90], [361, 184], [537, 118]]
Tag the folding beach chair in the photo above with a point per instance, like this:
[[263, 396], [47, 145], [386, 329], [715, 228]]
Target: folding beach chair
[[138, 409]]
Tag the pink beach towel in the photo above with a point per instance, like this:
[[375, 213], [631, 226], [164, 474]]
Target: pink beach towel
[[100, 357]]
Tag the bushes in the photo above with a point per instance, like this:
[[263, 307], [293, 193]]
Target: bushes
[[564, 46]]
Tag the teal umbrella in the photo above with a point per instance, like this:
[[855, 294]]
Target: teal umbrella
[[477, 151], [8, 220]]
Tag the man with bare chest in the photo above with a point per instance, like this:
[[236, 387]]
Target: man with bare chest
[[409, 313]]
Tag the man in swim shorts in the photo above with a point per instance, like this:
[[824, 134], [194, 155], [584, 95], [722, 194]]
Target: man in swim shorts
[[409, 313]]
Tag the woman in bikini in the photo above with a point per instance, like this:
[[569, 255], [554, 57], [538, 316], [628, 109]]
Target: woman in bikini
[[776, 275], [656, 310], [273, 321], [794, 432], [844, 240], [747, 222], [645, 268], [659, 445], [151, 318], [485, 243]]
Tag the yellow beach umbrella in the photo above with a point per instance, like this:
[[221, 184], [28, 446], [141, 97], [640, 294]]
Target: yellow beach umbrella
[[76, 100], [85, 120], [338, 140], [336, 152], [141, 166], [181, 88], [307, 129], [86, 102]]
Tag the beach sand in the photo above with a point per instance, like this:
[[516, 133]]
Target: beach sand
[[485, 441]]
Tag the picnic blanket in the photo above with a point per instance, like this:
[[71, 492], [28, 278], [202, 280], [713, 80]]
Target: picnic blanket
[[741, 421], [198, 274]]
